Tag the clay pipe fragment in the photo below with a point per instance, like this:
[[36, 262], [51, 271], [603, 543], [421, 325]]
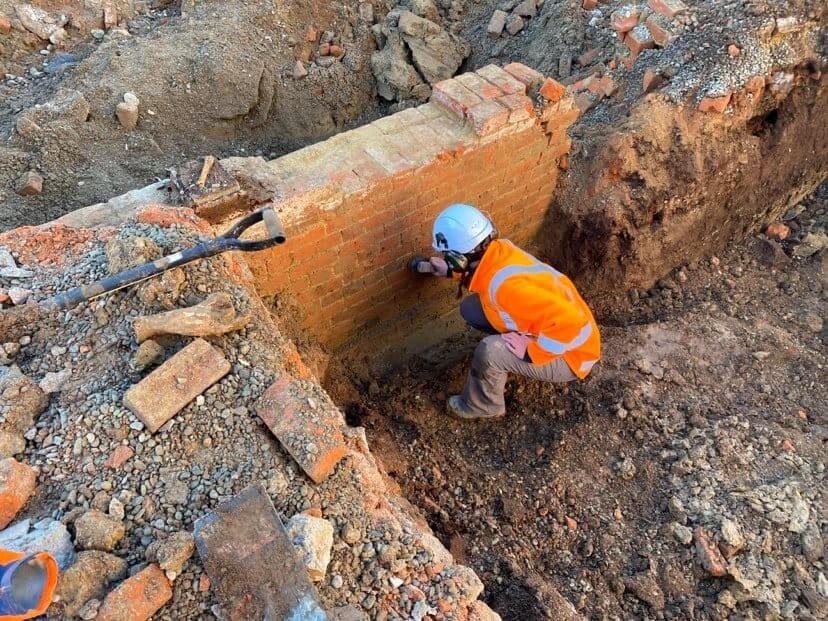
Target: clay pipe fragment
[[215, 315]]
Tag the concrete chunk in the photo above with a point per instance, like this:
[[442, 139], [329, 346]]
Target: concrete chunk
[[254, 570], [168, 389], [307, 424]]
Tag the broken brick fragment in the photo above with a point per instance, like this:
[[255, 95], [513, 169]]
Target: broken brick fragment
[[5, 25], [625, 18], [311, 35], [119, 457], [708, 555], [778, 230], [497, 23], [652, 80], [306, 423], [525, 74], [17, 483], [137, 598], [716, 104], [668, 8], [639, 39], [661, 30], [552, 90], [589, 5], [588, 57]]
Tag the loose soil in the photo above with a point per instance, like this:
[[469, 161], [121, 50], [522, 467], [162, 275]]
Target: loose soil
[[709, 404]]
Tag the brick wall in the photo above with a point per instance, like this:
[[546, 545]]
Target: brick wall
[[358, 206]]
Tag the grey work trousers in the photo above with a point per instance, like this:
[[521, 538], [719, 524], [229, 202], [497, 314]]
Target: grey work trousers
[[492, 363]]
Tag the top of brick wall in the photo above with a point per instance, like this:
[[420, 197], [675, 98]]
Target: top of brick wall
[[464, 112]]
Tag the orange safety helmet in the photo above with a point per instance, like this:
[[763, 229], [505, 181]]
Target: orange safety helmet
[[27, 584]]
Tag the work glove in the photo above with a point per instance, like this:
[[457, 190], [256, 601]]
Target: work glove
[[440, 266], [517, 343]]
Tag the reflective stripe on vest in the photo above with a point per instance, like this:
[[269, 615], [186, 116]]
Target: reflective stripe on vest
[[560, 347], [587, 366]]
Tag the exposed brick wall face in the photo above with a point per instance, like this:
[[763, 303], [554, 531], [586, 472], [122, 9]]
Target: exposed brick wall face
[[358, 207]]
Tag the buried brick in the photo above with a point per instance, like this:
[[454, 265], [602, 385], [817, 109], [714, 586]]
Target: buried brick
[[17, 483], [306, 422], [137, 598], [254, 570], [165, 391]]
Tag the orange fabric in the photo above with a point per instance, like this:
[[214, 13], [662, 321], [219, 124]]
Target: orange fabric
[[51, 566], [520, 294]]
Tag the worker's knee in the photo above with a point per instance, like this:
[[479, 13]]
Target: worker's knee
[[489, 350]]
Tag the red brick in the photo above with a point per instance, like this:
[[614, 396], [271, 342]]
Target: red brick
[[755, 84], [668, 8], [525, 74], [652, 80], [17, 483], [552, 91], [311, 35], [454, 96], [733, 50], [520, 107], [625, 18], [299, 418], [589, 5], [488, 117], [638, 39], [714, 104], [502, 79], [661, 30], [119, 456], [5, 25], [588, 57], [137, 598], [110, 14], [168, 389], [480, 87]]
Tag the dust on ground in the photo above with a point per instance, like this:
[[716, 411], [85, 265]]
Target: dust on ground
[[707, 411]]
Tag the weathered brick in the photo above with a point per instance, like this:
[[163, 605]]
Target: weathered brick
[[525, 74], [137, 598], [168, 389], [716, 104], [505, 81], [552, 90], [306, 422], [520, 107], [119, 456], [454, 96], [668, 8], [480, 87], [638, 39], [488, 117], [17, 483], [625, 18], [661, 30]]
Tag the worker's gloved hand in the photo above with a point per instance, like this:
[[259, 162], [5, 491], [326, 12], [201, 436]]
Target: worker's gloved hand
[[516, 343], [440, 266]]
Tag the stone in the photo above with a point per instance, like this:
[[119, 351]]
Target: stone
[[771, 254], [214, 316], [366, 12], [18, 295], [137, 598], [313, 538], [708, 555], [22, 401], [299, 70], [313, 436], [810, 244], [149, 353], [29, 184], [253, 567], [479, 611], [732, 534], [110, 14], [396, 78], [119, 456], [645, 588], [813, 547], [17, 484], [436, 53], [123, 253], [37, 21], [88, 578], [497, 23], [53, 382], [127, 115], [179, 380], [800, 514], [95, 530], [514, 25], [172, 553], [681, 533], [526, 8], [46, 536]]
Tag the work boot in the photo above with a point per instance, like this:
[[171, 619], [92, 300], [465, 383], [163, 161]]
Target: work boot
[[457, 408]]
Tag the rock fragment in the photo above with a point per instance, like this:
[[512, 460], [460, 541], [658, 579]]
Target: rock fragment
[[708, 554], [29, 184], [45, 536], [313, 538], [88, 578], [172, 553], [95, 530]]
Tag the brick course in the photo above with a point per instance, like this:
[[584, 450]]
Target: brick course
[[480, 140]]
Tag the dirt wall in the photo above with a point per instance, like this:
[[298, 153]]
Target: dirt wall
[[359, 206]]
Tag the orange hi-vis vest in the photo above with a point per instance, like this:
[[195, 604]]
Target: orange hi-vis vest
[[518, 293]]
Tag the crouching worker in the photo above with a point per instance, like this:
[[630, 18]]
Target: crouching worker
[[540, 326]]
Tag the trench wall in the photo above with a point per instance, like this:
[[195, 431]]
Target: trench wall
[[359, 206]]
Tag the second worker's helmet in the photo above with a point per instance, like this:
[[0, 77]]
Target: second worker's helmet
[[461, 228]]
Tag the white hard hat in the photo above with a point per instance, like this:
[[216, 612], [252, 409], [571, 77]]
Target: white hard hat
[[460, 228]]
